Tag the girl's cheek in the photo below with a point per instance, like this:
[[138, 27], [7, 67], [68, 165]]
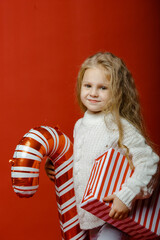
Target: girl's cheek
[[81, 96]]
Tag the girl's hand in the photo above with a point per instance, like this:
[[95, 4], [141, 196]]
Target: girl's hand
[[49, 168], [119, 210]]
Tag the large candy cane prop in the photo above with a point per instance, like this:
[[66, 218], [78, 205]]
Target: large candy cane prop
[[37, 143]]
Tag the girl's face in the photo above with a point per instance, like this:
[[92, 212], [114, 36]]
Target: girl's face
[[95, 92]]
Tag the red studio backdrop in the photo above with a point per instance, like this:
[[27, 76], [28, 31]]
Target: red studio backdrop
[[42, 45]]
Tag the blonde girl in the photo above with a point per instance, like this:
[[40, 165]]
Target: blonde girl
[[106, 93]]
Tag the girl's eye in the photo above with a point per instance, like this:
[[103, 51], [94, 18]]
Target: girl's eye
[[103, 88], [87, 85]]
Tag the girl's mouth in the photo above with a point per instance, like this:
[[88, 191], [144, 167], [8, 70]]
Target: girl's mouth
[[93, 101]]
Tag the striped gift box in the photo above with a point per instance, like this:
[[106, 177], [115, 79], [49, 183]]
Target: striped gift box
[[109, 172]]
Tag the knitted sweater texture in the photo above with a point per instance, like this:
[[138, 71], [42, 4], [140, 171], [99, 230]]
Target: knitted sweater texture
[[93, 136]]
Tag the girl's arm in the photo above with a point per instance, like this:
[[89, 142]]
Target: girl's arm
[[143, 181]]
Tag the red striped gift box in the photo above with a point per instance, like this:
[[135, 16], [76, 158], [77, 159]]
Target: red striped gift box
[[109, 172]]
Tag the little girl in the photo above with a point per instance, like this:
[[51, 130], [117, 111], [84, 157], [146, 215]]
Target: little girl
[[106, 93]]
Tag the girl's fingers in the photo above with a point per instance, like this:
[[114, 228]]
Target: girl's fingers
[[112, 213], [116, 216], [49, 163], [50, 172], [49, 166], [51, 177], [121, 217], [108, 198]]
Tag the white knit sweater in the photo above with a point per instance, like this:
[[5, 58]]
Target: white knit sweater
[[91, 138]]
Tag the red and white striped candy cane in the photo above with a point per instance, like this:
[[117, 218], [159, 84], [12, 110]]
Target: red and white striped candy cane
[[37, 143]]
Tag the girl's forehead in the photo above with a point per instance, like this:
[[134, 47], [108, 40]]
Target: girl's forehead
[[97, 71]]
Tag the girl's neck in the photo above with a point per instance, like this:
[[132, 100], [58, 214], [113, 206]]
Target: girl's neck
[[91, 118], [94, 113]]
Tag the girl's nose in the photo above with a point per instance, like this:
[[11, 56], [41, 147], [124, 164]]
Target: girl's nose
[[93, 92]]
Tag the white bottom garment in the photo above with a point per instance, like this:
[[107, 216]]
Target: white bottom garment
[[107, 232]]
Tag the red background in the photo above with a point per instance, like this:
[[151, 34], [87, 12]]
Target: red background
[[42, 45]]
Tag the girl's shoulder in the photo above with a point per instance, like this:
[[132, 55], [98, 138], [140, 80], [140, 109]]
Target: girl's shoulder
[[76, 126], [130, 132], [127, 126]]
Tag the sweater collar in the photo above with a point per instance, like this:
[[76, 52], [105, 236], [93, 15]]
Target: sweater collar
[[94, 118]]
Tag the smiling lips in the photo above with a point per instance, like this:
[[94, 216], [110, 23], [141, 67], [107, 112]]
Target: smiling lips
[[93, 101]]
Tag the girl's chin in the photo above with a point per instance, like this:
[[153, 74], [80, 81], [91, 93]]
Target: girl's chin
[[94, 111]]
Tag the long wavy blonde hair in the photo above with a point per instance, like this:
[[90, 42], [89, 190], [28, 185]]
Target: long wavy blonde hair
[[124, 101]]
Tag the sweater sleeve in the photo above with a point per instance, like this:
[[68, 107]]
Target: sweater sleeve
[[143, 180]]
